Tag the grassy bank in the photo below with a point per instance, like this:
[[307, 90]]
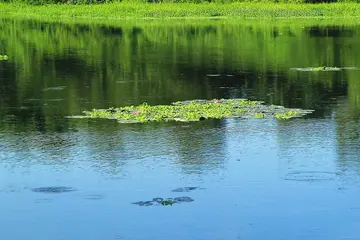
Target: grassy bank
[[183, 10]]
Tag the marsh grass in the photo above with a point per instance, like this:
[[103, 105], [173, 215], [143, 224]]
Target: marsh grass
[[137, 10]]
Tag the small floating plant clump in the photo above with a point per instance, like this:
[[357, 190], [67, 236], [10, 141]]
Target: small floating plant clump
[[164, 202], [323, 69], [4, 57], [286, 115], [259, 115], [158, 201], [195, 110]]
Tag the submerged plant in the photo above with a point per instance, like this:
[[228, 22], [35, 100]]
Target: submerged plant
[[167, 202]]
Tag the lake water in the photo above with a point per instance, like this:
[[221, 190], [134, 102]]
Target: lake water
[[260, 179]]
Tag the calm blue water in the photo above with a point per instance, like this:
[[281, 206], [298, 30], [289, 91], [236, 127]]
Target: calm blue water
[[257, 179], [261, 180]]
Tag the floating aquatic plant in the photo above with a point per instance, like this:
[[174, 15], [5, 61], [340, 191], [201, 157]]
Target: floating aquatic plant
[[3, 57], [286, 115], [259, 115], [318, 69], [164, 202], [195, 110]]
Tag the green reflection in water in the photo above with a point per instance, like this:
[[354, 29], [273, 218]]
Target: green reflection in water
[[60, 69]]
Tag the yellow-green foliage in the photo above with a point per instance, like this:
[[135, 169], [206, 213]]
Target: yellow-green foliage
[[195, 110], [317, 69], [192, 111], [259, 115], [325, 68], [286, 115]]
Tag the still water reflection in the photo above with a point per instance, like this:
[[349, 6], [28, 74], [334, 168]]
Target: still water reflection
[[256, 179]]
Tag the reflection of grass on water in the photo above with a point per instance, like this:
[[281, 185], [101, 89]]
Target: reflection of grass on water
[[195, 110]]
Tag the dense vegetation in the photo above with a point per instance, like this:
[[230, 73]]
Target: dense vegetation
[[136, 10], [194, 111], [39, 2]]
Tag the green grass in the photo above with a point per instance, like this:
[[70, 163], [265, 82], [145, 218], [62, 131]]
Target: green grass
[[138, 10]]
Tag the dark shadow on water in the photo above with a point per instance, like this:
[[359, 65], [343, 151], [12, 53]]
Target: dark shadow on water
[[186, 189], [330, 31]]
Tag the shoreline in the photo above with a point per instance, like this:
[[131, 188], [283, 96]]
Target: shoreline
[[173, 11]]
